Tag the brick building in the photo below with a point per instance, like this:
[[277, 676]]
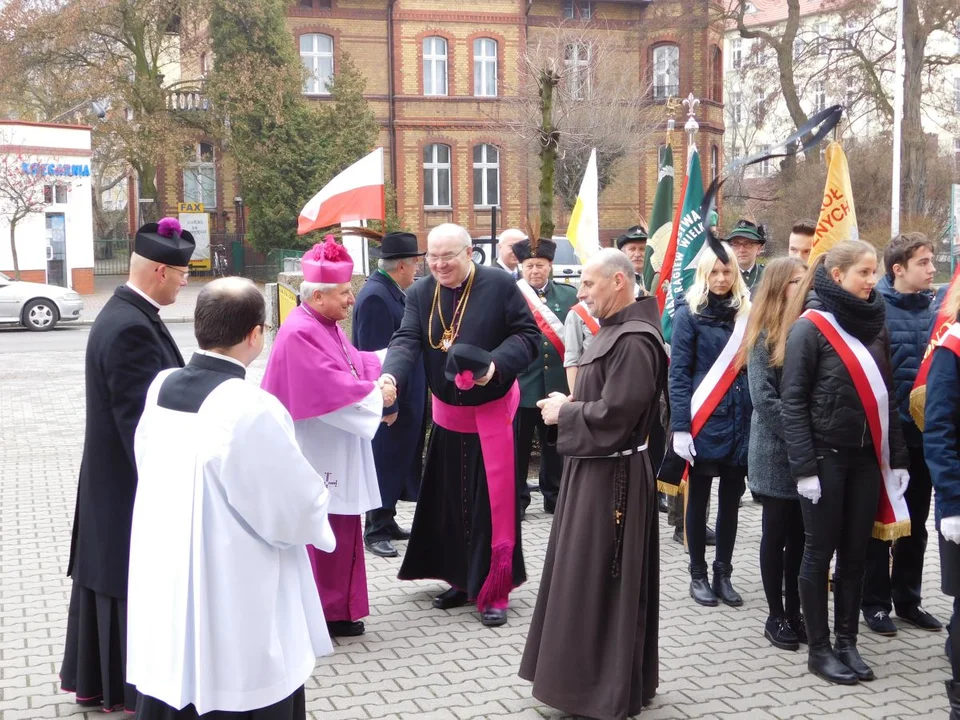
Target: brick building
[[440, 76]]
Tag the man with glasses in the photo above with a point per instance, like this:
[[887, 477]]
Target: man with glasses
[[747, 240], [466, 530], [128, 346]]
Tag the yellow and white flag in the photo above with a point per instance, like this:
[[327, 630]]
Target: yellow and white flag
[[838, 216], [583, 232]]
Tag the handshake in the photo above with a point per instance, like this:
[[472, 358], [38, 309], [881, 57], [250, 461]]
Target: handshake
[[388, 389]]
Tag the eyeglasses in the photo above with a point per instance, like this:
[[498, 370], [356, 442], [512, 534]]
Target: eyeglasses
[[445, 258], [184, 273], [742, 243]]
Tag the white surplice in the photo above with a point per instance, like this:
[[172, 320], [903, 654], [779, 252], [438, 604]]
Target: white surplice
[[223, 610], [339, 446]]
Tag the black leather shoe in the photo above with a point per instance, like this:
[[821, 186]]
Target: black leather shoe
[[550, 509], [780, 634], [493, 617], [398, 533], [824, 664], [722, 587], [345, 628], [919, 618], [848, 654], [662, 502], [382, 548], [678, 536], [799, 628], [711, 536], [700, 589], [452, 598]]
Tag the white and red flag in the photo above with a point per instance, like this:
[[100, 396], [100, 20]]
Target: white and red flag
[[355, 194]]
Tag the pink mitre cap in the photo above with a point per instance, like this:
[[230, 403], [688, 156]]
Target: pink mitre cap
[[327, 262]]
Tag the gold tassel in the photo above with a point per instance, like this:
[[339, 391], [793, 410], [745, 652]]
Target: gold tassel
[[891, 531], [669, 489], [918, 402]]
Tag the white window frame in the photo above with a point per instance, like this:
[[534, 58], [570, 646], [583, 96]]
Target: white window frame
[[202, 171], [736, 108], [316, 60], [736, 53], [822, 43], [578, 69], [819, 96], [956, 93], [764, 165], [484, 165], [483, 62], [665, 70], [850, 96], [435, 167], [714, 162], [435, 57]]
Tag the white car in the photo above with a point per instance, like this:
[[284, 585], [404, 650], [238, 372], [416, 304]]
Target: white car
[[36, 306]]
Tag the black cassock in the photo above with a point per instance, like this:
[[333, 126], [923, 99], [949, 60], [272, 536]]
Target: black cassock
[[127, 347], [451, 532]]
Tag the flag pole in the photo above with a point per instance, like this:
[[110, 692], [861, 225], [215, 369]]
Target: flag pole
[[897, 124]]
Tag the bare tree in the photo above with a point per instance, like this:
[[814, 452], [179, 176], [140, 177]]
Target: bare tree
[[573, 96], [21, 195]]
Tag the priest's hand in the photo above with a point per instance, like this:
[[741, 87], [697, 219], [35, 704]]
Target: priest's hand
[[390, 419], [550, 407], [389, 392], [488, 377]]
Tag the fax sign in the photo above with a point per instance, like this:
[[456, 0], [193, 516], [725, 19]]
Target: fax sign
[[194, 207]]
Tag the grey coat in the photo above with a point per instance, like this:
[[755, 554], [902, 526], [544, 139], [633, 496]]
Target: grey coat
[[768, 470]]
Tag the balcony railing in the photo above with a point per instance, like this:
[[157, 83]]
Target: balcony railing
[[187, 101]]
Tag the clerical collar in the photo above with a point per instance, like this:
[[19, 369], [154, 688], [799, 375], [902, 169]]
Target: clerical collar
[[218, 356], [323, 319], [142, 294]]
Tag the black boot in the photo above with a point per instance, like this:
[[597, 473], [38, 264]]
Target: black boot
[[953, 694], [722, 587], [700, 589], [846, 619], [820, 658]]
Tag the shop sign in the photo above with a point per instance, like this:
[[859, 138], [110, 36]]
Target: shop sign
[[56, 169]]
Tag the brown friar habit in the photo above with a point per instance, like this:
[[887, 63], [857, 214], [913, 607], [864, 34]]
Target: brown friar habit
[[592, 646]]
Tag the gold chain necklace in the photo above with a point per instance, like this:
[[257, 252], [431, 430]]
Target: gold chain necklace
[[449, 333]]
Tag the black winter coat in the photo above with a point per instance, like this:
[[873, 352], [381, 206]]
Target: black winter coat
[[128, 346], [820, 407], [908, 322], [698, 339]]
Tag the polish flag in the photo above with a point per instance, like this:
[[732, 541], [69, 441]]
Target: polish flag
[[354, 194]]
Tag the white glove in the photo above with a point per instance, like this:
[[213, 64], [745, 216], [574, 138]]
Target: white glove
[[950, 528], [809, 487], [683, 446], [903, 479]]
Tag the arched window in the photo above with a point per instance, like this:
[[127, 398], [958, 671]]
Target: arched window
[[436, 176], [484, 67], [316, 53], [716, 91], [486, 176], [434, 66], [714, 162], [666, 71]]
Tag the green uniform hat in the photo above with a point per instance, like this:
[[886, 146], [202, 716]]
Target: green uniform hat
[[638, 233], [748, 230]]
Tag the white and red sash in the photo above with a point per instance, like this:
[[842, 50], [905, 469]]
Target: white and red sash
[[549, 324], [893, 517], [718, 379], [593, 327], [951, 339]]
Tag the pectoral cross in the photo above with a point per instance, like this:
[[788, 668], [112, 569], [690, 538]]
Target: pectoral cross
[[618, 516]]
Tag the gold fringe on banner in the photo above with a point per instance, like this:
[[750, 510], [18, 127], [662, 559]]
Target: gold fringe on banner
[[918, 401], [891, 531]]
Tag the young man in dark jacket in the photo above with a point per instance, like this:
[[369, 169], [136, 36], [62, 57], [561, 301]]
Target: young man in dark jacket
[[906, 290]]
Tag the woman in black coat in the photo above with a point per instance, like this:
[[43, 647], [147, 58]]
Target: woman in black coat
[[941, 449], [781, 543], [830, 448], [702, 326]]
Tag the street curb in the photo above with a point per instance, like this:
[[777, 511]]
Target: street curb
[[167, 320]]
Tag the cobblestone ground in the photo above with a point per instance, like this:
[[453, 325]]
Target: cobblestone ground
[[415, 661]]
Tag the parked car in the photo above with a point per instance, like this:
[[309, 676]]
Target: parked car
[[36, 306]]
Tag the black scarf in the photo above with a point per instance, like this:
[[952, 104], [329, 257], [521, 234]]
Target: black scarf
[[864, 319], [719, 307]]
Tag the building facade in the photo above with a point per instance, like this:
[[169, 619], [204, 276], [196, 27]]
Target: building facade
[[51, 166], [446, 81]]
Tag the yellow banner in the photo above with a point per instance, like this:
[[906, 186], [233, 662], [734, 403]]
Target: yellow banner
[[288, 300], [838, 216]]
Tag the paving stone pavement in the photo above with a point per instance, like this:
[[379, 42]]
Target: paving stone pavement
[[414, 661]]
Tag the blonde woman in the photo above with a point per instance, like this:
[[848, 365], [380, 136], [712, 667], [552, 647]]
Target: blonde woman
[[711, 428], [830, 444], [781, 543]]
